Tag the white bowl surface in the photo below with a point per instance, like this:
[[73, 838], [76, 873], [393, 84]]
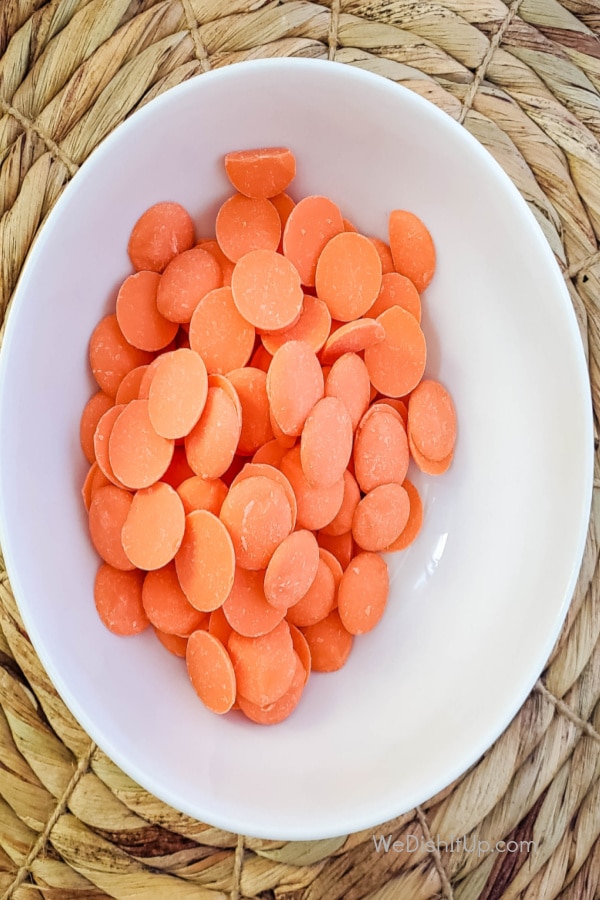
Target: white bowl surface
[[476, 603]]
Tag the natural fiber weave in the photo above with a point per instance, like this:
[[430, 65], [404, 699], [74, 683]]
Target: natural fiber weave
[[525, 80]]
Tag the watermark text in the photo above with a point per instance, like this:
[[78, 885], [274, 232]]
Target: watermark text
[[410, 843]]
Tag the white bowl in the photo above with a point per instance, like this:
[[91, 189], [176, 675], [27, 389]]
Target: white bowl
[[476, 603]]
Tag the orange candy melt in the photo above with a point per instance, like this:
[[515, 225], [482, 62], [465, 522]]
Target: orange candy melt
[[258, 516], [211, 671], [266, 290], [153, 530], [348, 276], [111, 356], [138, 316], [185, 281], [219, 334], [161, 232], [261, 174], [139, 456], [412, 248], [294, 384], [397, 363], [312, 223], [177, 393], [244, 225], [205, 562]]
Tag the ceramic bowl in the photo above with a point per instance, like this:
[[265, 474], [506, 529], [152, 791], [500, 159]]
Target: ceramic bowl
[[476, 602]]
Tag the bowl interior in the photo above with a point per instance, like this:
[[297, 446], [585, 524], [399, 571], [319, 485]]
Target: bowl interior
[[476, 602]]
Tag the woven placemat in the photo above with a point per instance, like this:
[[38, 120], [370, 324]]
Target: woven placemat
[[525, 80]]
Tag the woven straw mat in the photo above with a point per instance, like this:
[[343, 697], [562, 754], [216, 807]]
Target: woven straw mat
[[524, 79]]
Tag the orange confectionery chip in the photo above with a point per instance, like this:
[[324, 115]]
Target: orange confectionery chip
[[264, 666], [342, 523], [258, 516], [138, 316], [415, 519], [202, 493], [329, 643], [412, 247], [317, 507], [153, 530], [118, 600], [262, 173], [380, 517], [167, 607], [348, 380], [286, 441], [111, 356], [270, 454], [177, 393], [397, 363], [398, 405], [219, 626], [146, 380], [266, 290], [397, 290], [94, 409], [185, 281], [432, 420], [226, 265], [312, 327], [326, 443], [250, 386], [160, 233], [222, 337], [363, 593], [348, 276], [385, 255], [276, 712], [246, 608], [317, 602], [109, 509], [101, 442], [348, 226], [429, 466], [94, 480], [249, 470], [261, 359], [292, 569], [353, 337], [302, 649], [179, 469], [211, 671], [138, 455], [340, 546], [174, 643], [334, 564], [244, 225], [226, 384], [379, 407], [129, 389], [212, 443], [205, 562], [380, 449], [311, 224], [284, 204], [294, 384]]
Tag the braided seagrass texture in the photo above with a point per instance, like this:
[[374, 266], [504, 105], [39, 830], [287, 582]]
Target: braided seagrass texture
[[524, 79]]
